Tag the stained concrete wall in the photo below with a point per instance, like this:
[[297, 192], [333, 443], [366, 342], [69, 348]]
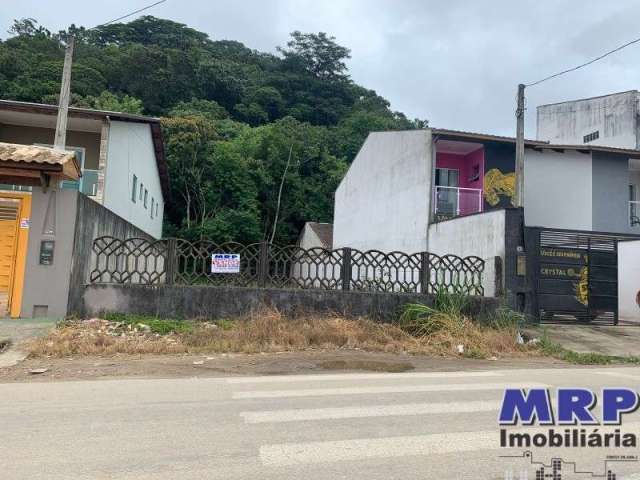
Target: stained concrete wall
[[383, 201], [225, 302], [93, 221], [629, 281], [56, 290], [558, 189], [481, 235], [46, 287], [614, 117]]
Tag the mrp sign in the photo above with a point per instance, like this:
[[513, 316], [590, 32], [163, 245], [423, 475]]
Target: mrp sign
[[225, 263], [575, 407]]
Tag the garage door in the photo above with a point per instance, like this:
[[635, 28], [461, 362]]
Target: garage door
[[9, 210]]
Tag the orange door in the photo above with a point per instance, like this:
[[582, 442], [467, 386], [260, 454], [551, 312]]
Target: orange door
[[9, 220]]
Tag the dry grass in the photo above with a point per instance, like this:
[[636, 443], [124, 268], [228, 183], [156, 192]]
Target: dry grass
[[270, 331]]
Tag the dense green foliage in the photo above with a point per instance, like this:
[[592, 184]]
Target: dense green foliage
[[233, 117]]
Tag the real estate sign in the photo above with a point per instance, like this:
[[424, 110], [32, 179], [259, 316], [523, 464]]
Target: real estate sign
[[225, 263]]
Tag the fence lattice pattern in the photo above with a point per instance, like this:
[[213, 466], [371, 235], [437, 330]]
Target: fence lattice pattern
[[180, 262]]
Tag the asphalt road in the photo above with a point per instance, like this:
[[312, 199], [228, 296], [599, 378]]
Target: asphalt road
[[336, 426]]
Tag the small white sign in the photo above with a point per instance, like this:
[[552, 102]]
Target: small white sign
[[24, 223], [225, 263]]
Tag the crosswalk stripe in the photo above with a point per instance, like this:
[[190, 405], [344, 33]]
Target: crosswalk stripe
[[617, 373], [359, 376], [288, 454], [321, 392], [278, 416]]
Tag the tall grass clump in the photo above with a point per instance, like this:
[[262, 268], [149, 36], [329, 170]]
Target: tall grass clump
[[446, 325]]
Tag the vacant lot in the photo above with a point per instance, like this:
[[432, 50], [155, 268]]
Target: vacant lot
[[268, 331]]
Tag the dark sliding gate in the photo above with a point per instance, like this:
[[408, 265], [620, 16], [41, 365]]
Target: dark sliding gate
[[575, 275]]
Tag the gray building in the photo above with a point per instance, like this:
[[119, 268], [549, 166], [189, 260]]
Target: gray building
[[608, 120]]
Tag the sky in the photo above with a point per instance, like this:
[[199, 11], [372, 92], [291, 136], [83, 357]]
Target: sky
[[454, 63]]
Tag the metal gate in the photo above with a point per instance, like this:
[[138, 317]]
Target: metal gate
[[575, 275]]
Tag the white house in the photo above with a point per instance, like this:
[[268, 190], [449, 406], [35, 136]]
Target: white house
[[117, 153], [400, 183], [46, 217], [610, 120]]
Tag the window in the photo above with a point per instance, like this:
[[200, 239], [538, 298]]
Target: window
[[146, 195], [153, 205], [141, 190], [446, 177], [134, 189], [591, 137]]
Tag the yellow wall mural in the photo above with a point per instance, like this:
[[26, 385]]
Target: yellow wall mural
[[497, 183]]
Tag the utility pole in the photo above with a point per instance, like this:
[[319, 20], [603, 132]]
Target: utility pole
[[65, 91], [519, 193]]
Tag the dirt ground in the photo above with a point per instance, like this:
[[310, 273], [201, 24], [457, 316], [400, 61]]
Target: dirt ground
[[171, 366]]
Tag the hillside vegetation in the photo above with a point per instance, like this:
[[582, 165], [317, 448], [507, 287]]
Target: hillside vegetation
[[233, 117]]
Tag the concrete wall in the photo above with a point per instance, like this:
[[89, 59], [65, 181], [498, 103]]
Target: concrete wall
[[46, 287], [225, 302], [383, 201], [482, 235], [613, 116], [309, 239], [92, 221], [629, 281], [30, 135], [611, 193], [131, 152], [558, 189]]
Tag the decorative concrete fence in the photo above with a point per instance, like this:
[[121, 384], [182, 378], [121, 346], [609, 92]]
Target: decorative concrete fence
[[263, 265]]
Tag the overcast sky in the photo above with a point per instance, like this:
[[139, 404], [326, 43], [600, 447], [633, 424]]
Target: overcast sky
[[455, 63]]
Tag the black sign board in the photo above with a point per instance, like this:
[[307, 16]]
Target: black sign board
[[46, 252]]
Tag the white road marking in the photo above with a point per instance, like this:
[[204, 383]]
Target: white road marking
[[334, 451], [277, 416], [359, 376], [321, 392], [287, 454], [618, 373]]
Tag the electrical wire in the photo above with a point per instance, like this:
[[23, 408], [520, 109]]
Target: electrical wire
[[584, 64], [129, 14]]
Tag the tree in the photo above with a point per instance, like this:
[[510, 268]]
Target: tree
[[318, 54], [231, 116]]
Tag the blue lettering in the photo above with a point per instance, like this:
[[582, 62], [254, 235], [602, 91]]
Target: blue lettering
[[615, 402], [527, 407], [574, 406]]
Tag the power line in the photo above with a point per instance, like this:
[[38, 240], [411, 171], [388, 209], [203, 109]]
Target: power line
[[129, 14], [584, 64]]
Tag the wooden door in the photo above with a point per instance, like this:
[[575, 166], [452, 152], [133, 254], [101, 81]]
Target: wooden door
[[9, 218]]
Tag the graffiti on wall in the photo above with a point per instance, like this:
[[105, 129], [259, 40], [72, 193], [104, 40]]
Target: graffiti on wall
[[497, 184]]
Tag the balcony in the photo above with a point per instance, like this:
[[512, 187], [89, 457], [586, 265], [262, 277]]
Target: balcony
[[452, 202], [634, 213]]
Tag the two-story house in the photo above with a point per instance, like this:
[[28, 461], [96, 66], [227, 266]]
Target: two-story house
[[611, 120], [402, 181], [122, 169]]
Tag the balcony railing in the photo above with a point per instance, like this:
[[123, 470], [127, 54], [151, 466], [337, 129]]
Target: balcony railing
[[634, 213], [457, 201]]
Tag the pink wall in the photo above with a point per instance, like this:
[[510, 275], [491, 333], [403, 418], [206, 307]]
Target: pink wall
[[464, 164]]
